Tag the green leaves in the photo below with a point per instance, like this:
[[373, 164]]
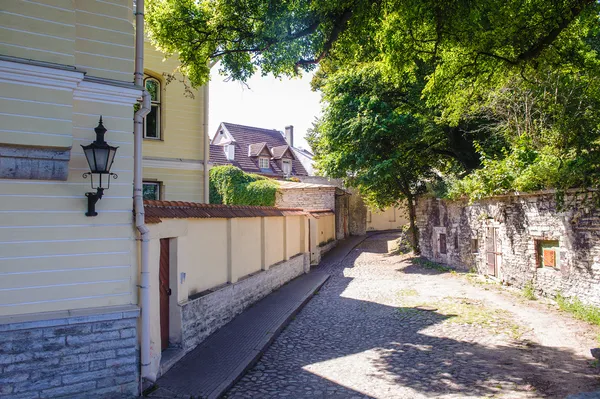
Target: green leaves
[[231, 186]]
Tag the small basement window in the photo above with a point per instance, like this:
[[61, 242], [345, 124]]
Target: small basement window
[[548, 253], [151, 190]]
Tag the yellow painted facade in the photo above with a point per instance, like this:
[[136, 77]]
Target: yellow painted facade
[[326, 229], [389, 219], [176, 159], [63, 63]]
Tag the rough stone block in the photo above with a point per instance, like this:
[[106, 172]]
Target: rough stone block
[[79, 389]]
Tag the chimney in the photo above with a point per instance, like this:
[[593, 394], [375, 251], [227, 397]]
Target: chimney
[[289, 135]]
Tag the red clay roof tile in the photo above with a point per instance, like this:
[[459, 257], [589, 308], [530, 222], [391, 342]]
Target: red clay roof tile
[[155, 211]]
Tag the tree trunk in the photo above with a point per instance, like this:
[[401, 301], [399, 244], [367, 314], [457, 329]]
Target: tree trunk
[[412, 218]]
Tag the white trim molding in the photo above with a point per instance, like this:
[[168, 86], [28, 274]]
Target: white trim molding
[[105, 92], [40, 76], [172, 163]]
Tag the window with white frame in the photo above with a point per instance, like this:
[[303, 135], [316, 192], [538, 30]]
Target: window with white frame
[[287, 167], [152, 120], [151, 190], [229, 151], [263, 163]]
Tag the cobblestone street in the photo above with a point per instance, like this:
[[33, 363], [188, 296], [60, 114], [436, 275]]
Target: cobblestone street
[[385, 327]]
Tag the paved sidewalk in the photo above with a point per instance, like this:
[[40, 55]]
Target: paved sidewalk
[[217, 363]]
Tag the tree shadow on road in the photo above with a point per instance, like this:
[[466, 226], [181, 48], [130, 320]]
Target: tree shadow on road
[[346, 347]]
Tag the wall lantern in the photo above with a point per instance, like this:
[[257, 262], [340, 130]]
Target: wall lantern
[[100, 157]]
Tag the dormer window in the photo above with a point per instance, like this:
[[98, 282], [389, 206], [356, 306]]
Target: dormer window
[[229, 152], [287, 167], [263, 163]]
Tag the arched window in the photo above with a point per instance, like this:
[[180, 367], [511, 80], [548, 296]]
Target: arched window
[[152, 121]]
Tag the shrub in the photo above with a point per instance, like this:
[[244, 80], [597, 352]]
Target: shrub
[[231, 186]]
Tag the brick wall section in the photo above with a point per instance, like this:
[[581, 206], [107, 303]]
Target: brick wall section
[[306, 198], [203, 316], [520, 221], [76, 357]]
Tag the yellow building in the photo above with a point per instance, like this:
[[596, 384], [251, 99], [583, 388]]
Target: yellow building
[[174, 133], [68, 282]]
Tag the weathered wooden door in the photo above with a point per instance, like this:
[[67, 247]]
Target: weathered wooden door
[[492, 249], [164, 291]]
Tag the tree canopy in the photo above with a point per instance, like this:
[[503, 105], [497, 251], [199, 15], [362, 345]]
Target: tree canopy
[[470, 44]]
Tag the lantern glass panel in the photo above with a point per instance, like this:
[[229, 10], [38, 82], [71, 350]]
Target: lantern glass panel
[[111, 157], [101, 155], [89, 155]]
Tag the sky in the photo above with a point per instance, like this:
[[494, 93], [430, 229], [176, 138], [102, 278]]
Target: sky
[[267, 103]]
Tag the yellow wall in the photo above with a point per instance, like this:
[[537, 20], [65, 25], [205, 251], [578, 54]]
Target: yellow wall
[[182, 123], [53, 257], [178, 184], [326, 229], [388, 219], [245, 247], [274, 240], [95, 36], [294, 235]]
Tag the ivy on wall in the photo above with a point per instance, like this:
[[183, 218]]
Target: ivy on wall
[[231, 186]]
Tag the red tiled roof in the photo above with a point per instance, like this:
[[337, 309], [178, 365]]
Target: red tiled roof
[[255, 149], [318, 213], [280, 151], [155, 211], [246, 136], [217, 155]]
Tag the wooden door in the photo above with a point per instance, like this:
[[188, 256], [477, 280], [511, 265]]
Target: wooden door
[[164, 292], [492, 251]]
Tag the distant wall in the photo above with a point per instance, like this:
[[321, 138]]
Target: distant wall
[[306, 198], [389, 219], [518, 239]]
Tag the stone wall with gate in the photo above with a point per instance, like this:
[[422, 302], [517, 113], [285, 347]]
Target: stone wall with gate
[[518, 239]]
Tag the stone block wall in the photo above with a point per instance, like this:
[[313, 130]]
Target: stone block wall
[[521, 223], [319, 251], [357, 214], [86, 356], [202, 316], [306, 198]]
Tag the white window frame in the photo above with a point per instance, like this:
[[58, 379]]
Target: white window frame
[[264, 163], [155, 104], [288, 163], [229, 152]]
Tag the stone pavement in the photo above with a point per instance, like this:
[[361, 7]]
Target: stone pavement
[[215, 365], [385, 327]]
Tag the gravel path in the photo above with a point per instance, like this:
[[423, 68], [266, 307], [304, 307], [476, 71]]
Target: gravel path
[[383, 327]]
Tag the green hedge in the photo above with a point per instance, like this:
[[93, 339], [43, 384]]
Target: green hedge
[[231, 186]]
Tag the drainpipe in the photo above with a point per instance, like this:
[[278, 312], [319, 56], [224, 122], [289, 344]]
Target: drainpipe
[[138, 199], [206, 141], [206, 146]]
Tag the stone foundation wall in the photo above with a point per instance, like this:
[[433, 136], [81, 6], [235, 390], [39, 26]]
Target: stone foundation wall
[[521, 224], [203, 316], [320, 251], [80, 356]]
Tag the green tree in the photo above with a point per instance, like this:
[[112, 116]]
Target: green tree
[[368, 137], [473, 45]]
